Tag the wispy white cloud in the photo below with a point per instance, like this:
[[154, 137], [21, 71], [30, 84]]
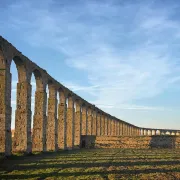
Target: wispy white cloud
[[126, 56], [134, 107]]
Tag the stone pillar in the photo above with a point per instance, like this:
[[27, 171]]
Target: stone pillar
[[121, 129], [150, 134], [40, 120], [106, 125], [132, 131], [51, 134], [78, 119], [115, 129], [129, 130], [125, 129], [137, 131], [89, 121], [112, 127], [109, 126], [84, 121], [160, 132], [22, 135], [98, 124], [155, 132], [102, 124], [62, 110], [5, 107], [94, 128], [117, 122], [70, 124]]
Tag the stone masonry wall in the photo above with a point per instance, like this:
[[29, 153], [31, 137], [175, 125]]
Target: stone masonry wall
[[56, 124], [137, 142]]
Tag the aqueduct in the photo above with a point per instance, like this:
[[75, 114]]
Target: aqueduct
[[75, 117]]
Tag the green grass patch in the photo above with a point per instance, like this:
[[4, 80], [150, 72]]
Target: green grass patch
[[94, 164]]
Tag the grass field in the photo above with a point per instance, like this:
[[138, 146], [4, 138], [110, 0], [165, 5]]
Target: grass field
[[95, 164]]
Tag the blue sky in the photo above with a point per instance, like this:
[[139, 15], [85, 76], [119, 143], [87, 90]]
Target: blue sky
[[122, 56]]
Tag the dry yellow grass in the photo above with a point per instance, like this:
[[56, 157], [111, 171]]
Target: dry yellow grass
[[95, 164]]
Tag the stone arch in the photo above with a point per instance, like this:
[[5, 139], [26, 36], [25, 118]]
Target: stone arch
[[40, 107], [22, 134], [21, 68], [40, 80], [62, 95], [3, 60], [69, 98]]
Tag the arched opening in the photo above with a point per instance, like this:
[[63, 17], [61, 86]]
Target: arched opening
[[38, 108], [75, 106], [145, 132], [177, 133], [153, 132], [20, 103], [141, 132], [158, 132], [14, 82], [33, 85], [83, 145], [47, 91]]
